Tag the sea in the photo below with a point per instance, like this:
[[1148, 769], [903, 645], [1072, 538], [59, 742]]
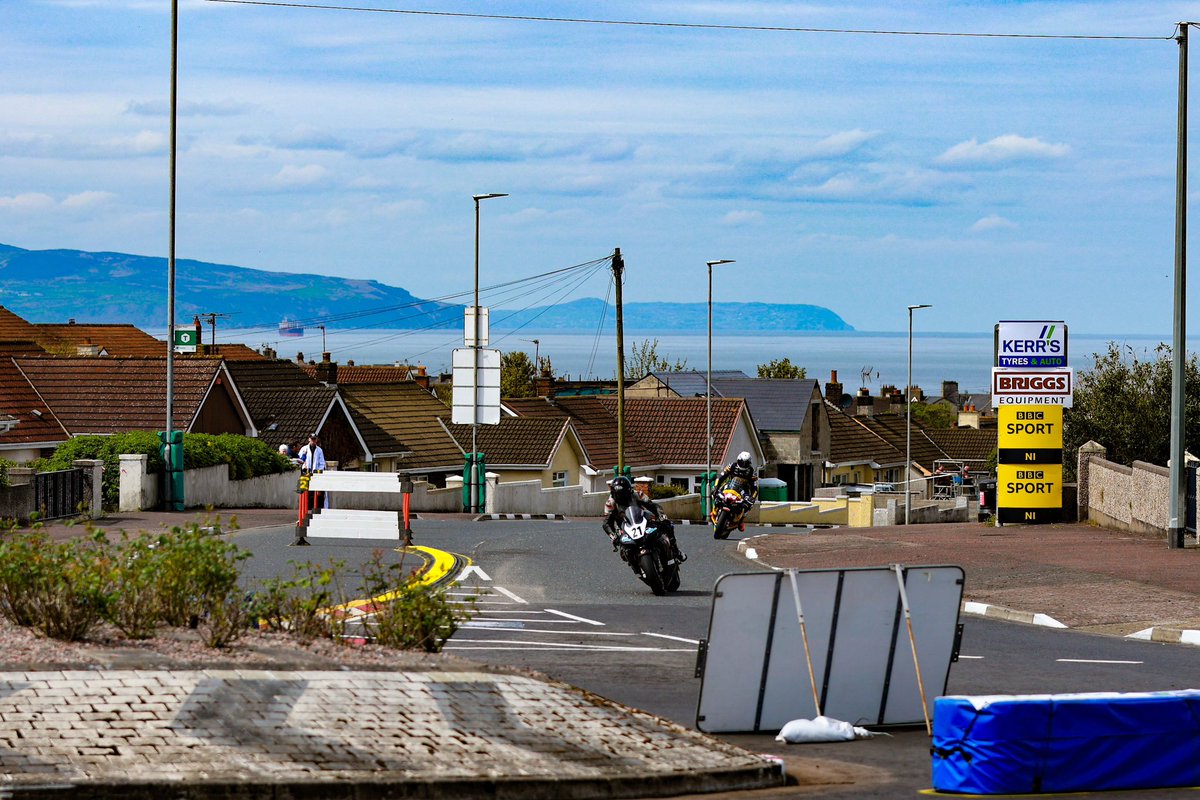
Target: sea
[[860, 359]]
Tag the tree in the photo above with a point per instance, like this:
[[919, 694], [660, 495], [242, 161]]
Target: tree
[[941, 415], [781, 368], [643, 359], [1124, 402], [516, 375]]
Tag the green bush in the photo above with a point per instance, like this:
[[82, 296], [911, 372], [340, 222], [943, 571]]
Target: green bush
[[414, 615], [57, 588], [306, 604], [245, 456], [661, 490], [4, 466]]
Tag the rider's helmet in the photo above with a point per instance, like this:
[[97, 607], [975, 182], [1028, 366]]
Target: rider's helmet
[[622, 490], [742, 467]]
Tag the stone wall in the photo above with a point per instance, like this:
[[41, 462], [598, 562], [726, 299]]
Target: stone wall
[[1135, 499]]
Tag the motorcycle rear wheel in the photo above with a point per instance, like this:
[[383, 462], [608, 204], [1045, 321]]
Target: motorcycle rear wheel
[[721, 526], [651, 575]]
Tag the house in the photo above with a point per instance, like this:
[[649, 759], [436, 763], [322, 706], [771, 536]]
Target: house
[[100, 395], [869, 448], [545, 449], [664, 437], [354, 374], [287, 405], [415, 420], [788, 414]]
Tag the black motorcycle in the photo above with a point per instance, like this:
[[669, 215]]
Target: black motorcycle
[[646, 549]]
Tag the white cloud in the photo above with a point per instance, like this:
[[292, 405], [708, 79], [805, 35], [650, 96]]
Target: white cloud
[[30, 201], [992, 222], [293, 177], [189, 108], [87, 199], [739, 218], [1009, 147], [400, 208]]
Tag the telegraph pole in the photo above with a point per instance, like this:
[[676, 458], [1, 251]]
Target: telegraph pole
[[1177, 517], [618, 268]]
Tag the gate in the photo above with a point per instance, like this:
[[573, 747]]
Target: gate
[[58, 494]]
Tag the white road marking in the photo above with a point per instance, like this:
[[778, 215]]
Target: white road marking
[[506, 592], [539, 621], [560, 632], [566, 646], [971, 658], [483, 576], [1094, 661], [452, 646], [572, 616], [751, 552], [672, 638]]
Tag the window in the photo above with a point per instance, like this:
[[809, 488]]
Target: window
[[660, 478], [682, 483], [560, 479]]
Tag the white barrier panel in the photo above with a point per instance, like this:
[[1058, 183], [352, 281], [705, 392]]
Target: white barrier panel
[[752, 665]]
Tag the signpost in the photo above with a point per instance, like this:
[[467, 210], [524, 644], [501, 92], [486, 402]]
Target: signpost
[[1031, 385], [186, 340]]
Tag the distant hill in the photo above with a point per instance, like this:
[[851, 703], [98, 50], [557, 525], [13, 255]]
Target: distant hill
[[57, 285]]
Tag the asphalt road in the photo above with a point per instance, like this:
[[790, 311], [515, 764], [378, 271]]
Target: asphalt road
[[552, 596]]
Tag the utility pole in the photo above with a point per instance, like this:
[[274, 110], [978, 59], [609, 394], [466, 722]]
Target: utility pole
[[618, 268], [1177, 516], [211, 318]]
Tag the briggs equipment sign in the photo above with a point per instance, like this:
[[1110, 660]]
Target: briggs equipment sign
[[1036, 345], [1024, 387]]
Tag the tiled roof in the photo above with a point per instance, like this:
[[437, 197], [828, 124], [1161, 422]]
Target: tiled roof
[[672, 429], [230, 351], [776, 404], [348, 375], [16, 329], [20, 348], [516, 441], [410, 415], [894, 427], [101, 395], [595, 424], [288, 415], [115, 340], [664, 430], [694, 383], [274, 374], [965, 444], [854, 441], [18, 399]]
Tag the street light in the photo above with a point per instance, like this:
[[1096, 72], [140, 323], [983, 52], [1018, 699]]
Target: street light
[[908, 419], [708, 386], [474, 495]]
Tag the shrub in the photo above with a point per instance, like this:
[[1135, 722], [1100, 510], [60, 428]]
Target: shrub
[[57, 588], [245, 456], [195, 571], [661, 490], [4, 467], [303, 604], [415, 616]]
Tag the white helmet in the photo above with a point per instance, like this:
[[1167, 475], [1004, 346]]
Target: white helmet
[[743, 466]]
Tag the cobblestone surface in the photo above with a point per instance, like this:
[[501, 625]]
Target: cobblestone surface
[[133, 726]]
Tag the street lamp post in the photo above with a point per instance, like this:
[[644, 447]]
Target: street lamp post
[[908, 418], [476, 346], [708, 389]]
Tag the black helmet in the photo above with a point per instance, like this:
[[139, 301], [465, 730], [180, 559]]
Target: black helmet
[[743, 466], [622, 490]]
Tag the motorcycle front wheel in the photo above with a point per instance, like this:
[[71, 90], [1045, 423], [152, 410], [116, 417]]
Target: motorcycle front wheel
[[651, 575], [721, 526]]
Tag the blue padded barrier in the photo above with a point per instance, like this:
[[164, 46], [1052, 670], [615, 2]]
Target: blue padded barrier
[[1027, 744]]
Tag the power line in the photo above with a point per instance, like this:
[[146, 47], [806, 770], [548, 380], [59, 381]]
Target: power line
[[691, 25]]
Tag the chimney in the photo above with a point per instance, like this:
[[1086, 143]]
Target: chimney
[[299, 358], [916, 394], [326, 371], [833, 389], [71, 321], [887, 390], [864, 404], [350, 363], [268, 352], [949, 388], [543, 385], [968, 418]]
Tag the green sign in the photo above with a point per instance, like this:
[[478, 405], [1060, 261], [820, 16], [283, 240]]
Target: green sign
[[186, 340]]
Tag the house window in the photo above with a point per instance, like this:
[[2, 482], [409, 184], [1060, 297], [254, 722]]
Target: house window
[[682, 483], [560, 479], [660, 478]]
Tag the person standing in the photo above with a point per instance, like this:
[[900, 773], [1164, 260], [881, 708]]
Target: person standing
[[312, 459]]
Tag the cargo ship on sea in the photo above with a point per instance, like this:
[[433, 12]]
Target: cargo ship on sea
[[290, 327]]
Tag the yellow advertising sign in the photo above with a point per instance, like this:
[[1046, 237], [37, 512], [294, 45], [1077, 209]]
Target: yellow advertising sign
[[1031, 427], [1029, 485]]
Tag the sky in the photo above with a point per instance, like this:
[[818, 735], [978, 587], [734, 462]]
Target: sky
[[994, 178]]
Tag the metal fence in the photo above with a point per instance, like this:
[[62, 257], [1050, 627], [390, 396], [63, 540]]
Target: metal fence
[[59, 494]]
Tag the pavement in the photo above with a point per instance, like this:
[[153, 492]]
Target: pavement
[[443, 727]]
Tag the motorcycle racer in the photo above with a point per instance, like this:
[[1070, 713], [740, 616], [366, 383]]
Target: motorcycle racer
[[620, 497]]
